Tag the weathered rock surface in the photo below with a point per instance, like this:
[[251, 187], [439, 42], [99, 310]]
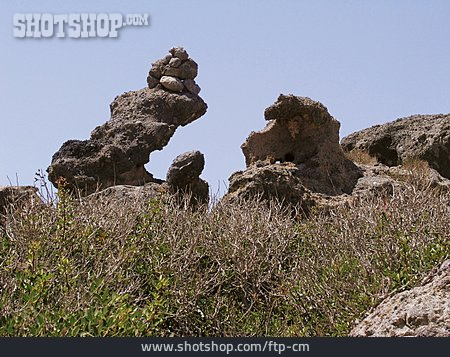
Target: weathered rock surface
[[141, 122], [422, 311], [127, 193], [296, 156], [425, 137], [183, 176], [12, 197], [301, 131], [278, 181]]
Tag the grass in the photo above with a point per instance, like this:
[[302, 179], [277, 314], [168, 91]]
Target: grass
[[361, 157], [160, 269]]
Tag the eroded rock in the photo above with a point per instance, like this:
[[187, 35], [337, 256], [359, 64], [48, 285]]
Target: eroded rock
[[422, 311], [141, 122], [425, 137], [269, 181], [297, 154], [126, 193], [183, 176]]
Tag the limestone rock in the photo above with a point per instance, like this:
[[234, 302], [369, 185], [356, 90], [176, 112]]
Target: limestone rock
[[172, 83], [183, 176], [127, 193], [375, 180], [422, 311], [425, 137], [141, 122], [302, 132], [270, 181]]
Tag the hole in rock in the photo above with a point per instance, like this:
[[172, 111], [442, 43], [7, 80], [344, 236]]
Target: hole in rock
[[289, 157]]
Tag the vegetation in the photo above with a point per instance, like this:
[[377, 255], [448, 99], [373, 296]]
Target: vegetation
[[98, 268], [360, 156]]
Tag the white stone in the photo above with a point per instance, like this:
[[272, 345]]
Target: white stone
[[172, 83]]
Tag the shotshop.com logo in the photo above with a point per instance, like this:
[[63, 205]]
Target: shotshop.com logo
[[74, 25]]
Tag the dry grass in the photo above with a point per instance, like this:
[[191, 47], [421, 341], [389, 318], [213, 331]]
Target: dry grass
[[245, 269], [361, 157]]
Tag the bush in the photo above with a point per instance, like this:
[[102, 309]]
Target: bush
[[157, 269]]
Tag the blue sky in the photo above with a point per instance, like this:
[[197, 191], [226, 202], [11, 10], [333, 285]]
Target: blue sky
[[368, 62]]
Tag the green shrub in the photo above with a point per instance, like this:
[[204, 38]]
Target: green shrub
[[249, 269]]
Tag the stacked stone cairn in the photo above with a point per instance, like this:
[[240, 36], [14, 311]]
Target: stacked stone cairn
[[175, 72]]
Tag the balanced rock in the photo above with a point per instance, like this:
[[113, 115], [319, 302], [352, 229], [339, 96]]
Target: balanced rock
[[302, 132], [421, 311], [175, 72], [141, 122], [425, 137], [183, 176]]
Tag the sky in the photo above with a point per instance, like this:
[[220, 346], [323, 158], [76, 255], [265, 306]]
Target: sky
[[368, 62]]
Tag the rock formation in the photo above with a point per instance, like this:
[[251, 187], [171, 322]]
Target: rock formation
[[422, 311], [183, 176], [271, 181], [425, 137], [141, 122], [301, 131], [379, 178], [175, 72], [297, 153]]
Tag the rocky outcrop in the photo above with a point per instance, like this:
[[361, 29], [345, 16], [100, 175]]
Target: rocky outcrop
[[302, 132], [422, 311], [265, 182], [125, 193], [183, 176], [296, 156], [16, 197], [141, 122], [425, 137]]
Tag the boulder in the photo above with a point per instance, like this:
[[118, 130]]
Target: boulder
[[303, 134], [421, 311], [425, 137], [141, 122], [271, 181], [183, 176]]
